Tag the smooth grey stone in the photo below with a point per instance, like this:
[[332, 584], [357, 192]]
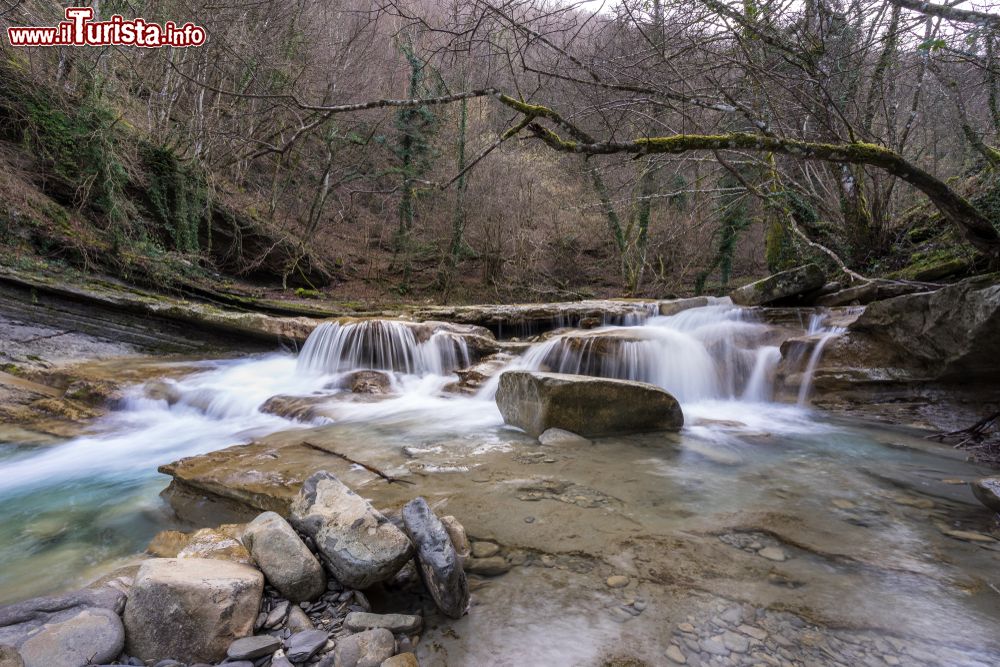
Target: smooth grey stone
[[440, 567], [248, 648], [303, 645]]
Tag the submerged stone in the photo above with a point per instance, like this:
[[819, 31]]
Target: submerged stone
[[589, 406]]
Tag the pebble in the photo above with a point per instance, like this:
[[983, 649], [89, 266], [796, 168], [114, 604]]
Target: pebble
[[686, 627], [714, 645], [249, 648], [841, 503], [755, 632], [773, 553], [529, 519], [968, 536], [890, 659], [401, 660], [676, 655], [735, 643], [303, 645], [485, 549], [394, 623], [277, 615], [488, 567], [617, 581]]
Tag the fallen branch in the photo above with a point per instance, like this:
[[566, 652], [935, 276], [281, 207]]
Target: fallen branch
[[372, 469]]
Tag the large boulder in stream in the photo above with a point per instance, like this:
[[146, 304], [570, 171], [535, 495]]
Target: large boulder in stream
[[360, 545], [780, 287], [284, 558], [589, 406], [191, 609], [70, 630]]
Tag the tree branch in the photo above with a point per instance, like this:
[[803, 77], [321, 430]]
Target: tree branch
[[949, 13]]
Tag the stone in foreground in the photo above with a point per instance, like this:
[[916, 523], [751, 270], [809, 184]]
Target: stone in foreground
[[365, 649], [360, 545], [191, 609], [303, 645], [285, 560], [250, 648], [402, 660], [359, 621], [588, 406], [69, 630], [440, 567], [987, 491], [9, 657], [784, 285]]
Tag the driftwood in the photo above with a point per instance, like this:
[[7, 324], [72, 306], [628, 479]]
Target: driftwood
[[372, 469], [979, 439]]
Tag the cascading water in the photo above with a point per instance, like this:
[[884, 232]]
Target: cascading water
[[382, 345], [825, 334], [713, 352]]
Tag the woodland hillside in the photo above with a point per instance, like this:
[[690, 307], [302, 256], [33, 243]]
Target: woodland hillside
[[506, 150]]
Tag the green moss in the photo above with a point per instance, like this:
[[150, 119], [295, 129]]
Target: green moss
[[178, 196], [304, 293], [936, 264]]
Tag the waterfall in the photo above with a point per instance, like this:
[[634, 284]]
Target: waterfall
[[825, 335], [713, 352], [390, 345]]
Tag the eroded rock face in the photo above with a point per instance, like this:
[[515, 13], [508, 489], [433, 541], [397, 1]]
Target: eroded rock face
[[780, 286], [360, 545], [987, 491], [285, 560], [952, 334], [440, 565], [191, 609], [75, 629], [589, 406]]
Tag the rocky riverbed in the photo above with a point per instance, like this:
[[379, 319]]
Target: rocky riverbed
[[381, 512]]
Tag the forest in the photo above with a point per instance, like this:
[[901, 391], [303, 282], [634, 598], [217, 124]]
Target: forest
[[508, 150]]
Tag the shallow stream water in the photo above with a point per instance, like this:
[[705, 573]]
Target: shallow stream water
[[861, 513]]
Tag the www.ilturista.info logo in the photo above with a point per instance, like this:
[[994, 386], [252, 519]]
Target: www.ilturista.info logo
[[79, 30]]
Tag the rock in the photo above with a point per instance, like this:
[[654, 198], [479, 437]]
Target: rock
[[367, 382], [250, 648], [485, 549], [780, 286], [753, 631], [714, 645], [303, 645], [735, 643], [278, 614], [589, 406], [949, 335], [284, 559], [617, 581], [72, 629], [279, 659], [191, 608], [668, 308], [487, 567], [459, 539], [91, 636], [554, 437], [298, 620], [9, 657], [675, 654], [217, 544], [987, 491], [875, 290], [359, 621], [365, 649], [360, 545], [773, 553], [439, 565], [401, 660]]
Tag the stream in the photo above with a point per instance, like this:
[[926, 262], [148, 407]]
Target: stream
[[860, 513]]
